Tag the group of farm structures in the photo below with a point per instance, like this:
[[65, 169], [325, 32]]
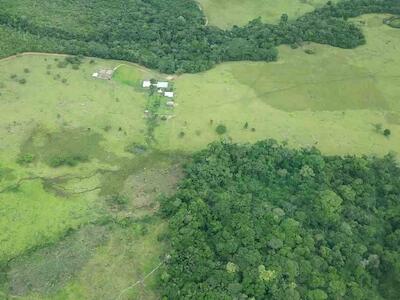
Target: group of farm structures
[[158, 90]]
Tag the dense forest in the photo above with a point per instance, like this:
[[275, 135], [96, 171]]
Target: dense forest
[[170, 35], [264, 221]]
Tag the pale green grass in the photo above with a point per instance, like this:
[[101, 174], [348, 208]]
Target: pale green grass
[[125, 74], [330, 99], [226, 13], [31, 217], [127, 257], [47, 117]]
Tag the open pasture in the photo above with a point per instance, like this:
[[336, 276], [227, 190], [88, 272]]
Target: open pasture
[[330, 99], [63, 162], [225, 14]]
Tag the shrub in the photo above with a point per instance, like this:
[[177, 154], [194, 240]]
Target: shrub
[[181, 134], [25, 159], [67, 160], [62, 64], [26, 70], [221, 129], [118, 200], [22, 81], [387, 132], [136, 148]]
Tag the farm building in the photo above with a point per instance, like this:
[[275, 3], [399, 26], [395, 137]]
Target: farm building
[[162, 84], [169, 94], [146, 83], [104, 74]]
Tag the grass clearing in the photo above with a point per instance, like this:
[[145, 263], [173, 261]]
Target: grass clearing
[[48, 269], [333, 107], [38, 218], [225, 14], [125, 74]]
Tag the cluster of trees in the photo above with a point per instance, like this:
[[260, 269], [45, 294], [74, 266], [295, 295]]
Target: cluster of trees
[[266, 222], [70, 160], [170, 35]]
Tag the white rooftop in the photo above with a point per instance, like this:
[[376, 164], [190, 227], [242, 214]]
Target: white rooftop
[[169, 94], [162, 84], [146, 83]]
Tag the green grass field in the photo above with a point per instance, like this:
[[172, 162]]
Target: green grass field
[[50, 111], [99, 215], [330, 99], [225, 14]]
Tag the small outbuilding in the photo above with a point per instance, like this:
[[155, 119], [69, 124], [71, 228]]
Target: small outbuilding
[[169, 94], [146, 83]]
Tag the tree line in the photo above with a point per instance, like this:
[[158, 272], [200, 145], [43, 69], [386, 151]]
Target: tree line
[[170, 35], [264, 221]]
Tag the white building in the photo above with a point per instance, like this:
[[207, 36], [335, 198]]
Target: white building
[[95, 75], [146, 83], [169, 94], [162, 84]]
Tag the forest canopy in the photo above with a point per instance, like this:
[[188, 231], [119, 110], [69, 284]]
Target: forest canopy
[[264, 221], [170, 35]]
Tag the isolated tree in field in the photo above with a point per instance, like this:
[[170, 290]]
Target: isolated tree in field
[[221, 129], [387, 132], [246, 125]]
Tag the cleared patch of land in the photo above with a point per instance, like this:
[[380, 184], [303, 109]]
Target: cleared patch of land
[[330, 99], [64, 165], [225, 14]]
